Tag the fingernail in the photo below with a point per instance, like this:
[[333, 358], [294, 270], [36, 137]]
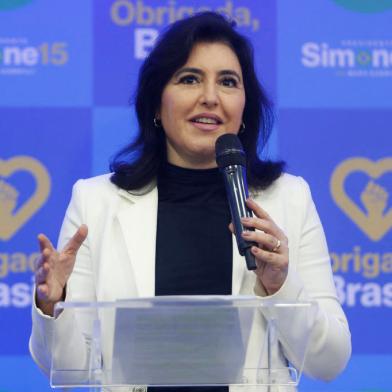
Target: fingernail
[[245, 234], [245, 219]]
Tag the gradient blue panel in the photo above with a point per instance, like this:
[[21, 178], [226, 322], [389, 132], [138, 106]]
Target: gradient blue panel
[[364, 373], [45, 54], [323, 28], [118, 53], [60, 140], [21, 374], [314, 142], [113, 128]]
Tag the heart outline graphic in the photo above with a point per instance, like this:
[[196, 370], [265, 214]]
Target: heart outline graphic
[[374, 227], [11, 223]]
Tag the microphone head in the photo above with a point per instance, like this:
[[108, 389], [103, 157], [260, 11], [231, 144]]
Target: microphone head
[[229, 151]]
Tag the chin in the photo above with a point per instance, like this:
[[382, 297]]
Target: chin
[[203, 151], [204, 145]]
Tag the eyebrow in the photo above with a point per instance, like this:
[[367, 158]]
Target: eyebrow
[[200, 72]]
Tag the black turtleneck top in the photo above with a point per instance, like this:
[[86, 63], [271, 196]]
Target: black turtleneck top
[[194, 244]]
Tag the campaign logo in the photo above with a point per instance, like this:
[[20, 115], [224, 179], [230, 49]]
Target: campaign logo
[[20, 57], [377, 220], [373, 216], [368, 6], [350, 58], [11, 4], [12, 216]]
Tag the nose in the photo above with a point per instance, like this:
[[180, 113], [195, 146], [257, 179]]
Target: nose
[[209, 96]]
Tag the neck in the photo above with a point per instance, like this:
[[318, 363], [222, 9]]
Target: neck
[[195, 163]]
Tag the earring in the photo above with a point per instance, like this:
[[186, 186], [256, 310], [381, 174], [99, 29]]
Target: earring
[[157, 123], [242, 128]]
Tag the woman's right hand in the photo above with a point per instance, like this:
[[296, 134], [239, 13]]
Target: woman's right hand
[[53, 269]]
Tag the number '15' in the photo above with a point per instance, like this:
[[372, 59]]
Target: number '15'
[[55, 53]]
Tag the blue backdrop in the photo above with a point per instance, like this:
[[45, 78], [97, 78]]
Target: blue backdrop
[[67, 72]]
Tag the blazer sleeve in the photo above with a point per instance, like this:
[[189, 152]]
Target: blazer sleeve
[[310, 278], [66, 336]]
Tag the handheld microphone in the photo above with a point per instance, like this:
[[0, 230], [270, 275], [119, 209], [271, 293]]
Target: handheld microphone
[[231, 160]]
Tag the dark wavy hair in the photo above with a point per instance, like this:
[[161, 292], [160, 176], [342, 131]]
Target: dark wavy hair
[[138, 164]]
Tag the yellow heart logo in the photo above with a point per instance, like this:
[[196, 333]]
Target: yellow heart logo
[[377, 221], [11, 221]]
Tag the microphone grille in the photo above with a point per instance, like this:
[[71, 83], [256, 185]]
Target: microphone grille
[[229, 151]]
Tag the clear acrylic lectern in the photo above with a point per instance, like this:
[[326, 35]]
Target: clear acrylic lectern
[[179, 341]]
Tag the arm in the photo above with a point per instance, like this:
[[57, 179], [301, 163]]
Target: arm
[[309, 277], [55, 282], [330, 339]]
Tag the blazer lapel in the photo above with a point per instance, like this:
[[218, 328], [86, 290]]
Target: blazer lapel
[[137, 215]]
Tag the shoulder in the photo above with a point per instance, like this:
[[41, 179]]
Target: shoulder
[[287, 186], [94, 192], [288, 194], [101, 189], [288, 180], [92, 184]]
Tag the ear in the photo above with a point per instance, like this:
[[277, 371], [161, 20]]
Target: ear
[[158, 113]]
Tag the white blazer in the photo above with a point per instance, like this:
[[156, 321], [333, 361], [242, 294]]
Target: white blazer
[[117, 261]]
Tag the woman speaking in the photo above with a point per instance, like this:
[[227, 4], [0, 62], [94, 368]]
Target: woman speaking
[[160, 223]]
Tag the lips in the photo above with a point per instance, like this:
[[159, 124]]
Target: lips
[[206, 119], [206, 122]]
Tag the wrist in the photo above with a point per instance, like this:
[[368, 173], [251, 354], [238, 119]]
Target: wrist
[[47, 307]]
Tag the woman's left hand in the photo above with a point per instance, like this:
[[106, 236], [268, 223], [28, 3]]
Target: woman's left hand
[[272, 252]]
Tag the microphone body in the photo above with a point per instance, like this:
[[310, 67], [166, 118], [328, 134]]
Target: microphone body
[[231, 162]]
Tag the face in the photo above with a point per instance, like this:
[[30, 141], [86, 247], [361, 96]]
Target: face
[[203, 100]]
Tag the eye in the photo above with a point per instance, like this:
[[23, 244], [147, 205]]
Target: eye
[[229, 82], [188, 79]]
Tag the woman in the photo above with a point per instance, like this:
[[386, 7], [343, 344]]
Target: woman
[[159, 224]]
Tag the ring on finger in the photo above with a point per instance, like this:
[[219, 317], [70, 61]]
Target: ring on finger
[[277, 246]]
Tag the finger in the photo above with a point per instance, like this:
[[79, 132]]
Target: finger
[[266, 241], [44, 242], [267, 226], [42, 273], [38, 262], [259, 212], [76, 241], [43, 258], [42, 290], [275, 259], [231, 227]]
